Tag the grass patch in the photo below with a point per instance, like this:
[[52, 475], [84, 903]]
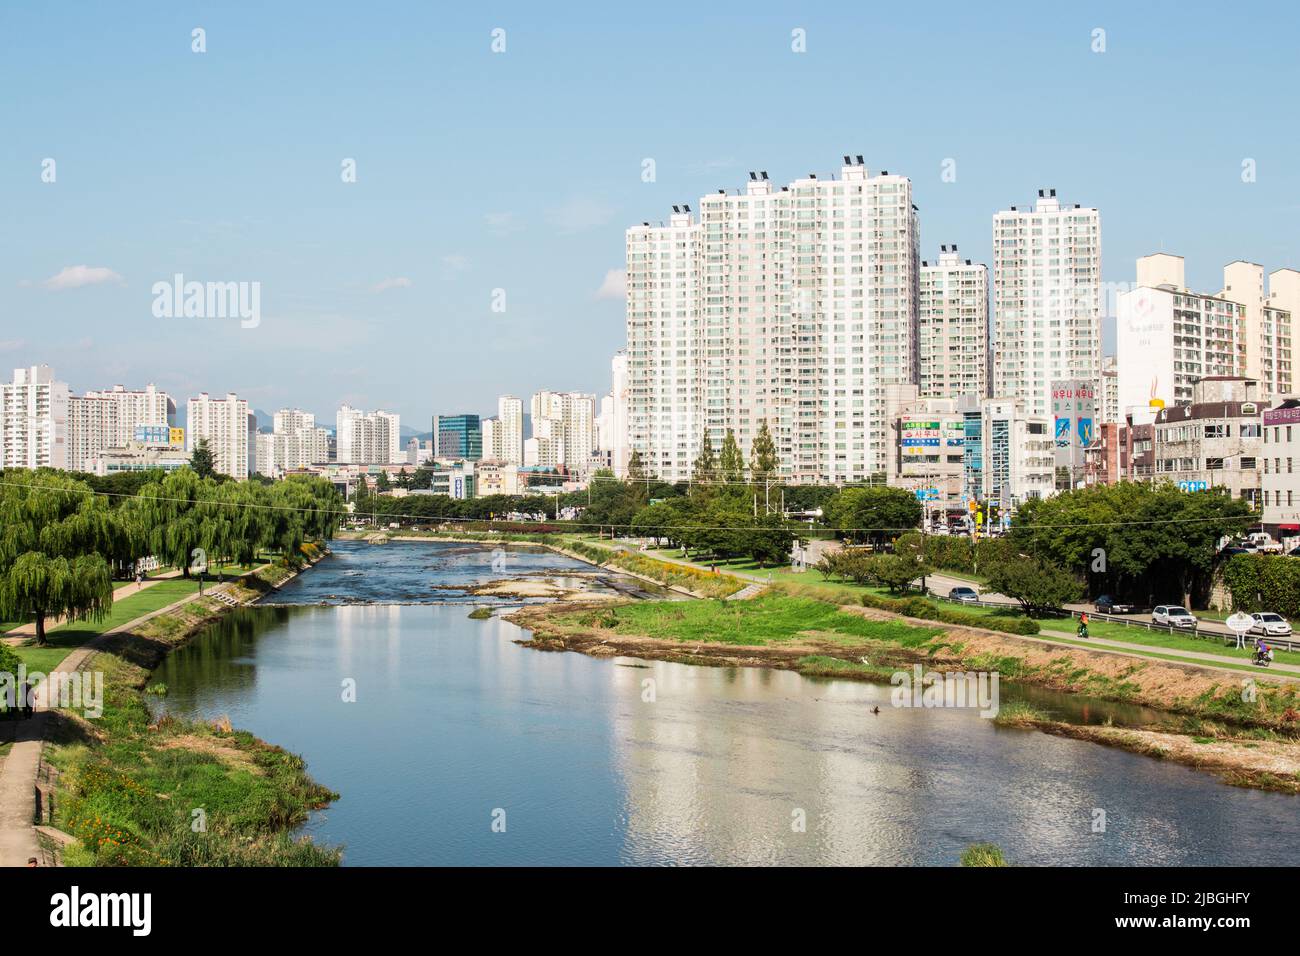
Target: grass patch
[[983, 854], [130, 786], [480, 614], [768, 619], [1019, 713]]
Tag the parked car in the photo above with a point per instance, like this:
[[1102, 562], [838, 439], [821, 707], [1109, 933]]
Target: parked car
[[964, 594], [1105, 604], [1269, 624], [1173, 615], [1236, 549]]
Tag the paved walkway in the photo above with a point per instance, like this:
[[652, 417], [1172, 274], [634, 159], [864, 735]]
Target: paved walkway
[[18, 838], [24, 631]]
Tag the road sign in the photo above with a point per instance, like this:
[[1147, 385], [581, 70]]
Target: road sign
[[1241, 623]]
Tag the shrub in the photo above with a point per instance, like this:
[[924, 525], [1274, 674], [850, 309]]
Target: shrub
[[919, 607]]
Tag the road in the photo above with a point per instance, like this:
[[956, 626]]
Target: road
[[940, 584]]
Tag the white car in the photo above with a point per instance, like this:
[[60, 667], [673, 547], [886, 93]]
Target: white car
[[1173, 615], [1270, 625]]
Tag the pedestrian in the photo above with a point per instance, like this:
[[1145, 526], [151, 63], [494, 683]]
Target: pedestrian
[[32, 861], [28, 696]]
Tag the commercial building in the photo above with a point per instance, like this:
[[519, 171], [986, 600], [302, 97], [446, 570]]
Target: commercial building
[[1046, 299], [1214, 441], [953, 323], [1280, 491], [1019, 460], [927, 450], [1074, 428], [457, 436], [497, 478], [791, 306], [138, 456], [229, 429], [34, 419]]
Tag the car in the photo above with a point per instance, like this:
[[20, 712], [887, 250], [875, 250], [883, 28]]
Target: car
[[964, 594], [1173, 615], [1235, 549], [1269, 624], [1105, 604]]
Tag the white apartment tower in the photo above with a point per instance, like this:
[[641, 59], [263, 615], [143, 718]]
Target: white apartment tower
[[229, 429], [663, 344], [136, 408], [1269, 323], [568, 419], [1168, 338], [953, 338], [34, 420], [508, 432], [794, 306], [367, 438], [1046, 299]]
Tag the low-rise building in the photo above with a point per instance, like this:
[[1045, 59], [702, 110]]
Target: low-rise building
[[926, 449], [138, 456], [1280, 481], [1215, 441]]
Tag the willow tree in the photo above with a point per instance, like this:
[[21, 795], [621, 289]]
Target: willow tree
[[54, 534], [173, 512]]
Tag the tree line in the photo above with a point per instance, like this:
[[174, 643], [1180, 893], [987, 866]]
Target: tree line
[[62, 541]]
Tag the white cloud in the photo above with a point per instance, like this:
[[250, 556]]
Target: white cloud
[[454, 265], [12, 345], [581, 214], [397, 282], [73, 277], [614, 286]]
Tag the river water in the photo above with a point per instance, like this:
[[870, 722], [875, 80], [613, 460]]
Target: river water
[[463, 748]]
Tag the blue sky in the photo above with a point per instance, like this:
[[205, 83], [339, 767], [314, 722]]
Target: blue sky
[[520, 170]]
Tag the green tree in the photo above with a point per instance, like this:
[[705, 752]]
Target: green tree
[[54, 532], [636, 466], [706, 465], [894, 571], [1039, 587], [172, 513], [873, 514], [203, 461], [731, 463], [763, 462]]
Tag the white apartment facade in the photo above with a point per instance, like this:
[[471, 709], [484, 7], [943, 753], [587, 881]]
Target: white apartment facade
[[503, 436], [793, 306], [1269, 322], [93, 426], [953, 327], [1168, 338], [34, 409], [1046, 299], [148, 406], [568, 420], [228, 427], [367, 438]]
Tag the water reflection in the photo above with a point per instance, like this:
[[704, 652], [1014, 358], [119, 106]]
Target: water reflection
[[452, 720]]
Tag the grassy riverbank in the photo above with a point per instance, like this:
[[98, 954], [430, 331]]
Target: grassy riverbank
[[176, 792]]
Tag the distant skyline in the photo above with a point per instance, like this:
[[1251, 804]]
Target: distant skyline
[[478, 171]]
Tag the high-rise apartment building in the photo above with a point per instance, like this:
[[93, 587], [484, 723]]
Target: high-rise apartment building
[[229, 429], [1168, 338], [367, 438], [294, 443], [503, 435], [953, 327], [1269, 324], [34, 420], [567, 419], [793, 306], [100, 420], [1046, 299]]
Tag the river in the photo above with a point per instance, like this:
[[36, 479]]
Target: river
[[463, 748]]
